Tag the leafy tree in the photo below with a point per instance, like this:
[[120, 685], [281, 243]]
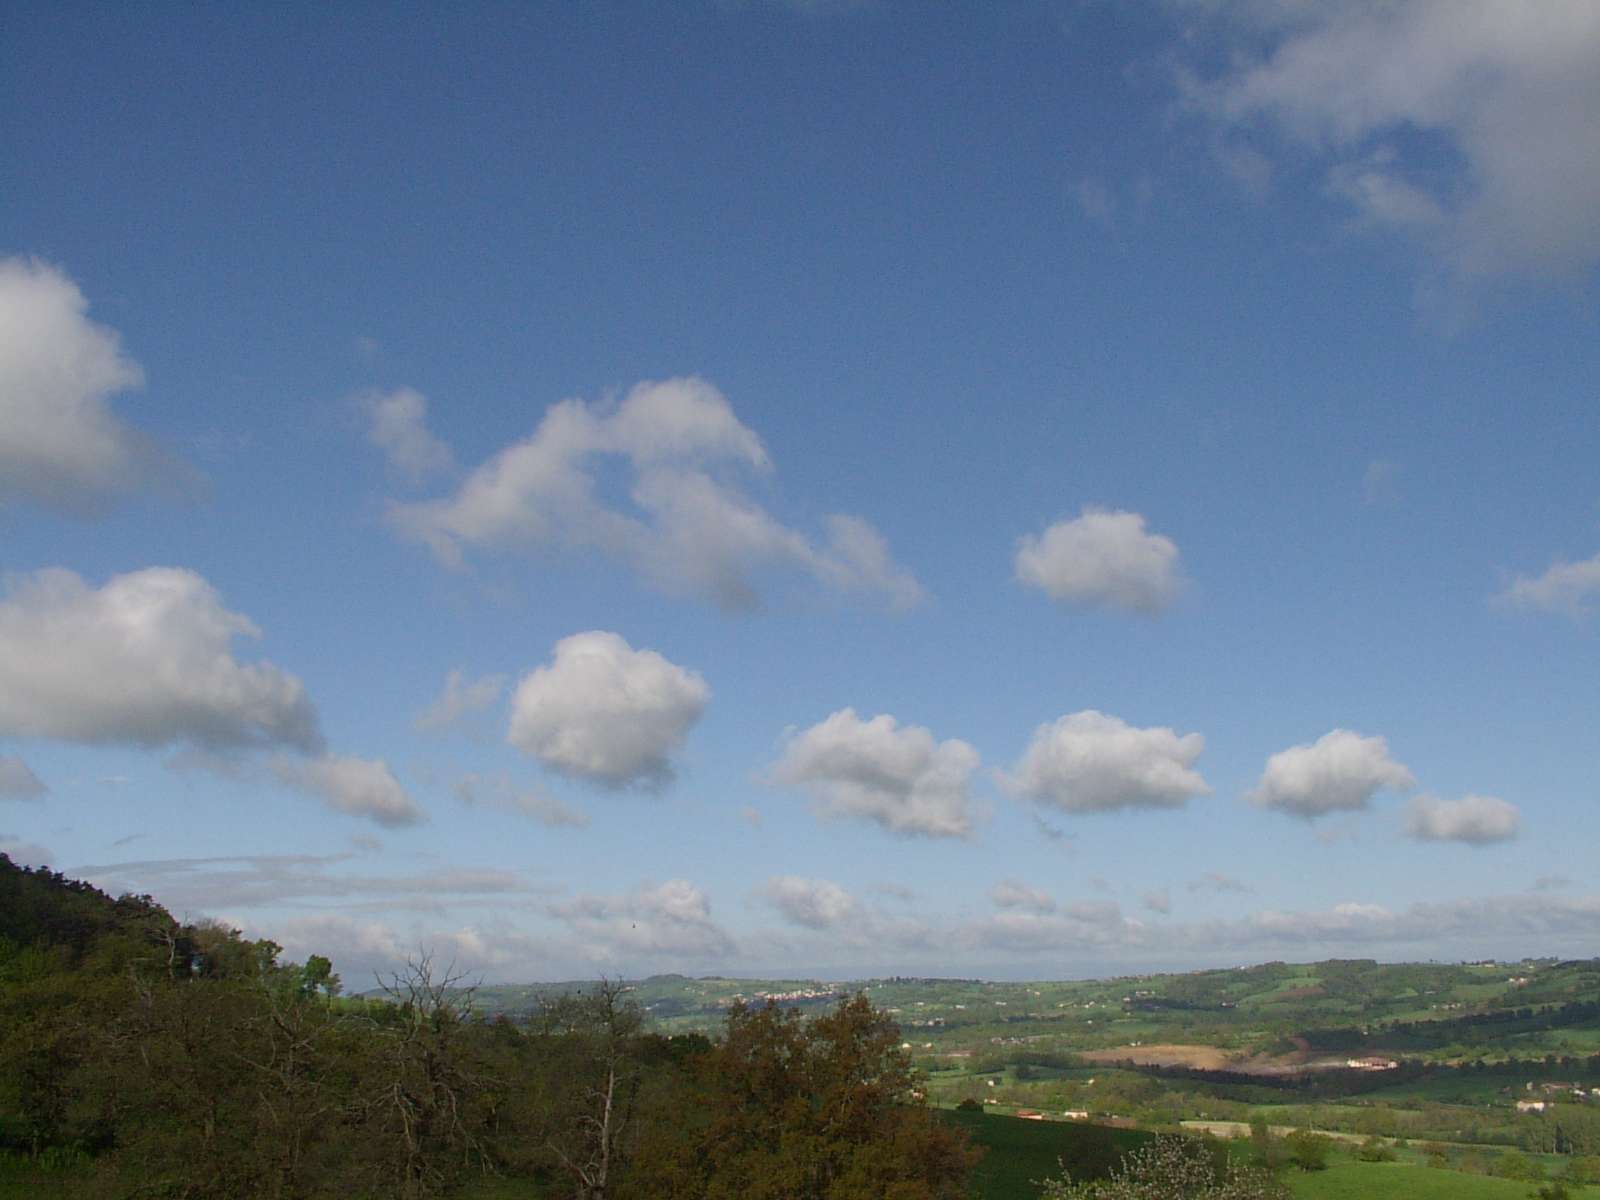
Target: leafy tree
[[823, 1110], [1266, 1148], [1307, 1150], [1584, 1169], [1513, 1164]]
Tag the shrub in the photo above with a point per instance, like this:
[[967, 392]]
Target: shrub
[[1375, 1149], [1308, 1151]]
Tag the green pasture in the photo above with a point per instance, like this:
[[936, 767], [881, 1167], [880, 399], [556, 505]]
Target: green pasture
[[1377, 1181], [1019, 1152]]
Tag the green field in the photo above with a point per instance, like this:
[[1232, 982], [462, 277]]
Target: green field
[[1364, 1181], [1019, 1152]]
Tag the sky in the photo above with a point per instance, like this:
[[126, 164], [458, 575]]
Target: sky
[[1023, 489]]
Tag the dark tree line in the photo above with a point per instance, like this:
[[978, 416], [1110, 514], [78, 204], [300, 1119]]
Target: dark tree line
[[187, 1061]]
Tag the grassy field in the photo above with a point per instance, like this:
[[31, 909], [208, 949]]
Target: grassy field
[[1374, 1181], [1021, 1152]]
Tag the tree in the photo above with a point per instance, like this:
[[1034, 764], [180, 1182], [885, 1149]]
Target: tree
[[1266, 1148], [1309, 1151], [1171, 1168], [421, 1114], [594, 1042], [823, 1110]]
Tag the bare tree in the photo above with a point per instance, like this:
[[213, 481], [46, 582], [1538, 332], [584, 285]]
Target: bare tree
[[429, 1081], [595, 1035]]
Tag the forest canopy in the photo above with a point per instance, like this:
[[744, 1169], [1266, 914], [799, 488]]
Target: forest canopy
[[174, 1059]]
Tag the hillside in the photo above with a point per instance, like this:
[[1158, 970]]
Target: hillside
[[1263, 1018]]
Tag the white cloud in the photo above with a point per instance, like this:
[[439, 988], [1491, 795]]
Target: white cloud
[[899, 777], [145, 660], [372, 953], [265, 880], [1476, 820], [605, 712], [61, 446], [814, 903], [1012, 893], [358, 949], [1079, 926], [671, 919], [397, 424], [1157, 900], [1247, 167], [1105, 558], [460, 698], [499, 792], [1340, 771], [688, 529], [17, 780], [1567, 588], [25, 854], [362, 787], [1091, 762], [1469, 123]]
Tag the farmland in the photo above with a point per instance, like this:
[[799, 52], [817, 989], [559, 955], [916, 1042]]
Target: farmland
[[1443, 1053]]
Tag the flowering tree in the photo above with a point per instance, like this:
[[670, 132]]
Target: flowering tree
[[1171, 1168]]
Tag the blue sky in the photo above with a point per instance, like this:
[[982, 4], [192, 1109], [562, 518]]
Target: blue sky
[[1025, 489]]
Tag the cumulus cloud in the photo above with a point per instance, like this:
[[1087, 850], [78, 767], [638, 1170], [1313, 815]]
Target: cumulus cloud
[[1092, 762], [144, 660], [1468, 124], [1339, 772], [61, 446], [1566, 588], [499, 792], [1476, 820], [397, 424], [605, 712], [362, 787], [1012, 893], [17, 780], [813, 903], [357, 948], [899, 777], [1103, 558], [24, 853], [460, 698], [688, 529], [669, 919]]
